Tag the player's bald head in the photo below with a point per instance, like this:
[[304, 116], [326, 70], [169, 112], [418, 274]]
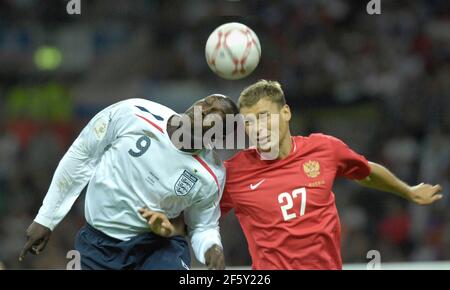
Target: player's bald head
[[218, 104], [223, 103]]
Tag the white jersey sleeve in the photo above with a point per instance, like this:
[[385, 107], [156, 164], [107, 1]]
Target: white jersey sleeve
[[78, 164], [202, 219]]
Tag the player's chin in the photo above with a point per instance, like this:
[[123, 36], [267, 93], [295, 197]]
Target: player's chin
[[266, 147]]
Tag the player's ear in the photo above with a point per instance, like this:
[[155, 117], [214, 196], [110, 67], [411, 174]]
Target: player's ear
[[286, 113]]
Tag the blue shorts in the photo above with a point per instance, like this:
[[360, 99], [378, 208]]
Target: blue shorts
[[143, 252]]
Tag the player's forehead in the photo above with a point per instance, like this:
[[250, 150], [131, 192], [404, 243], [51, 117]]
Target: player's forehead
[[263, 106]]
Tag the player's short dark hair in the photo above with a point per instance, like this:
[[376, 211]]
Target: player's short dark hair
[[229, 106], [263, 89]]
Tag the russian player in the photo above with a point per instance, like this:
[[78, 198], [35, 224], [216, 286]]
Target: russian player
[[128, 158], [285, 204]]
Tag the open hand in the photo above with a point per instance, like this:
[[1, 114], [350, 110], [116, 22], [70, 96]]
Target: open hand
[[424, 194]]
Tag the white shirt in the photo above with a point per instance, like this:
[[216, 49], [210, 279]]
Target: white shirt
[[126, 156]]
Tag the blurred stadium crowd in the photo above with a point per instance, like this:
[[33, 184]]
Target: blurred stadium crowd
[[381, 83]]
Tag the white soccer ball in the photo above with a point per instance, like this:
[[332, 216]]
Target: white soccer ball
[[233, 51]]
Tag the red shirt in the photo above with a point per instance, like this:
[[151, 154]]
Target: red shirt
[[286, 207]]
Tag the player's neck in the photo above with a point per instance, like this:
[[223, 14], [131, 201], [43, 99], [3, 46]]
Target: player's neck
[[285, 146]]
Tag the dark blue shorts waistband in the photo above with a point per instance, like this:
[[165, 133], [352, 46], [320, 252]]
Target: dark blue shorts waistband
[[100, 233]]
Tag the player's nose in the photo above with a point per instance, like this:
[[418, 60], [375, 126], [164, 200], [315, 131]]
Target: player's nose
[[262, 131]]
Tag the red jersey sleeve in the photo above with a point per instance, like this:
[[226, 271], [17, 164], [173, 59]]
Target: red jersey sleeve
[[349, 163]]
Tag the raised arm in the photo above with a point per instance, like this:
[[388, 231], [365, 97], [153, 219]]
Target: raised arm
[[382, 179], [71, 176]]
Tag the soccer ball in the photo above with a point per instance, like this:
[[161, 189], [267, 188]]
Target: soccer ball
[[233, 51]]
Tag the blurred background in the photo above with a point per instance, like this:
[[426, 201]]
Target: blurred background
[[381, 83]]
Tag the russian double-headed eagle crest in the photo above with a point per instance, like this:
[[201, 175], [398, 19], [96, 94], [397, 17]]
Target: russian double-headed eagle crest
[[311, 168]]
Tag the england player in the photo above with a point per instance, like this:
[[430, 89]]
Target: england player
[[128, 159], [285, 205]]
